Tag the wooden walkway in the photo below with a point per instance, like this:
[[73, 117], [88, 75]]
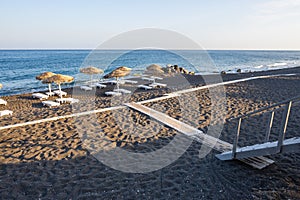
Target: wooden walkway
[[215, 143], [181, 127]]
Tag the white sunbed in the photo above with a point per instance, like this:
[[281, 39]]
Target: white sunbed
[[57, 92], [86, 88], [114, 82], [156, 77], [99, 85], [111, 93], [105, 81], [145, 87], [130, 81], [5, 112], [50, 93], [148, 79], [67, 100], [122, 91], [40, 96], [3, 102], [158, 85], [91, 81], [50, 103]]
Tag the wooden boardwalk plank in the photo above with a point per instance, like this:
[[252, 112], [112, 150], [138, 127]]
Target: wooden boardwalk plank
[[215, 143], [186, 129]]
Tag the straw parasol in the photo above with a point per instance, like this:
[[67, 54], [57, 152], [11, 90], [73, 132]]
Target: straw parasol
[[43, 76], [154, 69], [59, 79], [119, 72], [91, 71]]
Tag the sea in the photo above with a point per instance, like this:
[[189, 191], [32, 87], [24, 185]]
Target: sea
[[20, 67]]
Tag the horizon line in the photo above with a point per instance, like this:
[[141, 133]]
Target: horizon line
[[86, 49]]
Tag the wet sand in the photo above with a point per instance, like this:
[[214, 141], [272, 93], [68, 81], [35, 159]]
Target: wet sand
[[55, 160]]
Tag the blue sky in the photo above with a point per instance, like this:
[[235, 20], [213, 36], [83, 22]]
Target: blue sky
[[215, 24]]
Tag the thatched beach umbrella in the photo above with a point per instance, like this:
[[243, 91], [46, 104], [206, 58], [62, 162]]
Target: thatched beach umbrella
[[91, 71], [119, 72], [43, 76], [155, 69], [59, 79]]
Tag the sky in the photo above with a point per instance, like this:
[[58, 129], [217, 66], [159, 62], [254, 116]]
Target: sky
[[213, 24]]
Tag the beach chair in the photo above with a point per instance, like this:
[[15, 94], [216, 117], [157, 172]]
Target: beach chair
[[160, 85], [156, 77], [3, 102], [114, 82], [112, 93], [99, 85], [5, 112], [57, 92], [148, 79], [130, 81], [123, 91], [50, 93], [72, 100], [40, 96], [50, 103], [86, 88], [67, 100], [145, 87]]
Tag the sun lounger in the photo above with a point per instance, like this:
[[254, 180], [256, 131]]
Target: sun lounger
[[57, 92], [40, 96], [122, 91], [158, 85], [99, 85], [156, 77], [148, 79], [67, 100], [50, 103], [145, 87], [3, 102], [130, 81], [5, 112], [104, 81], [114, 82], [111, 93], [50, 93], [86, 88]]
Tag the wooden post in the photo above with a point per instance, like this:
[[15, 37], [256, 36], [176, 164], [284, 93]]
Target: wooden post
[[236, 138], [269, 126], [284, 122]]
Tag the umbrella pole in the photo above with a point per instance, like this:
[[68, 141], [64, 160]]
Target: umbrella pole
[[59, 91], [117, 83], [49, 86]]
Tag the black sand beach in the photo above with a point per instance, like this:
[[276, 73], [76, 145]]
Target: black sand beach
[[49, 160]]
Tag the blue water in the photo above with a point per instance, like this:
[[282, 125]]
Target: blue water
[[19, 67]]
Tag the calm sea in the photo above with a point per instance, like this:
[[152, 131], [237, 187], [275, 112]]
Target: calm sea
[[19, 67]]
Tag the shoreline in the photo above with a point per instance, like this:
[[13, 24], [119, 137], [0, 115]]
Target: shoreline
[[225, 77]]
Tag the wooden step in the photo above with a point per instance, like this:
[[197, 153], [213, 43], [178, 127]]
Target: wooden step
[[267, 148]]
